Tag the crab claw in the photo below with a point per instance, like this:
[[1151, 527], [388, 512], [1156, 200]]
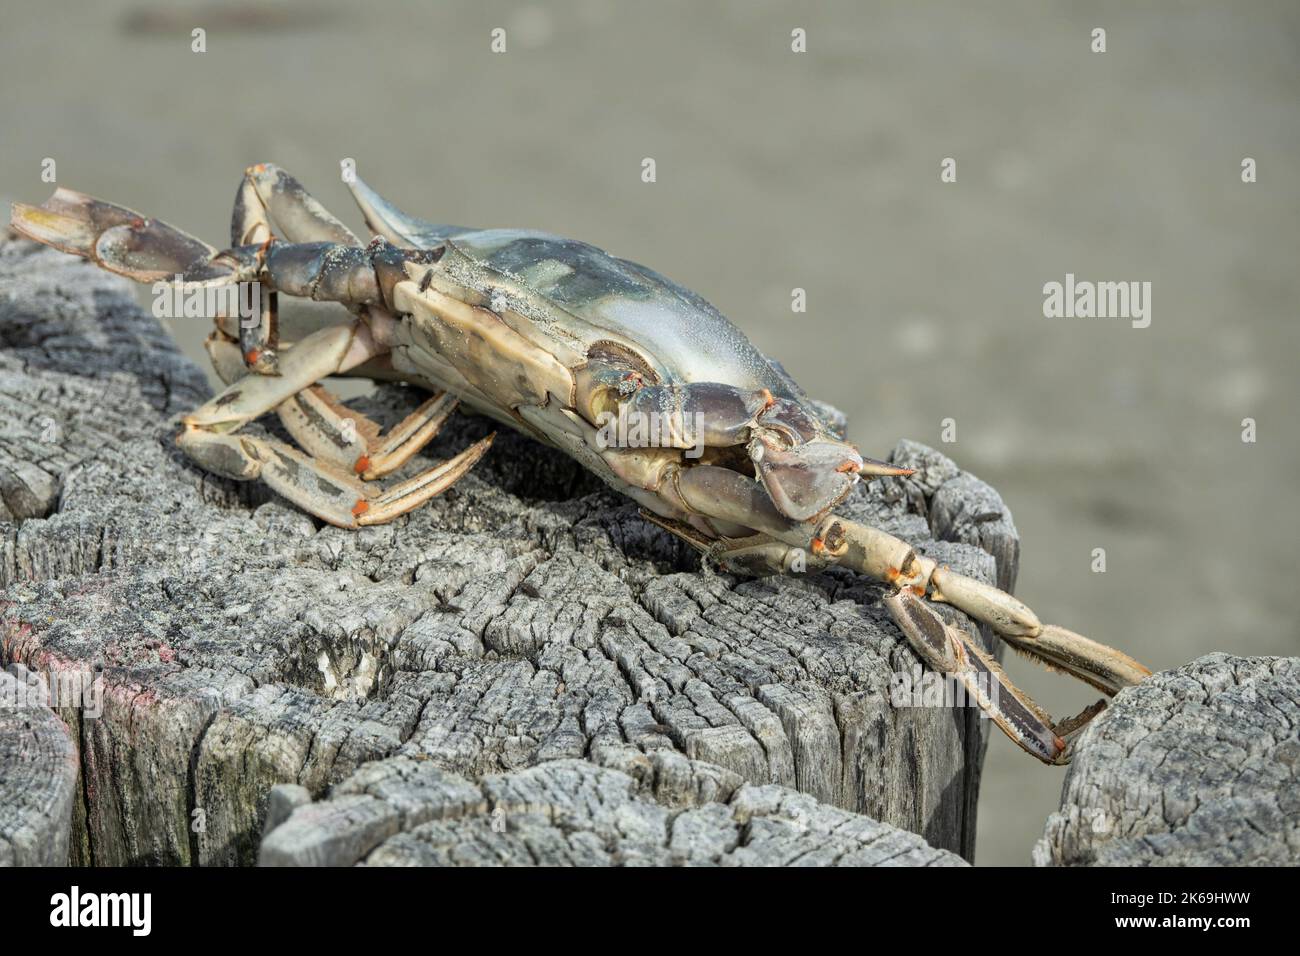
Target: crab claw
[[118, 239]]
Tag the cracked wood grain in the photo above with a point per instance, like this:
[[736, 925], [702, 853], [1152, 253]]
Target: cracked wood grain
[[574, 813], [1198, 766]]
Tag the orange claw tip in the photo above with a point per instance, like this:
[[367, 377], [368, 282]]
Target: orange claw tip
[[252, 356], [362, 465], [360, 508]]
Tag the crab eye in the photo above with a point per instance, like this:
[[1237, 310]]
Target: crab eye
[[806, 480]]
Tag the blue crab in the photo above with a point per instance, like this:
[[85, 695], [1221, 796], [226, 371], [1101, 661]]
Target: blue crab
[[640, 380]]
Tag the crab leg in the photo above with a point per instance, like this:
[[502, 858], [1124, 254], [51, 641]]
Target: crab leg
[[267, 195], [941, 646], [331, 431], [886, 558], [320, 482], [324, 483], [719, 494], [410, 494], [408, 436], [320, 423], [950, 650], [326, 429], [319, 355], [315, 486]]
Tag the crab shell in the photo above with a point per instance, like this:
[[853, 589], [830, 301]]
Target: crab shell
[[630, 373]]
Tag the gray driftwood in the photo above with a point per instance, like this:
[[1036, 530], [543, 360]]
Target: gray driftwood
[[526, 616], [1198, 766]]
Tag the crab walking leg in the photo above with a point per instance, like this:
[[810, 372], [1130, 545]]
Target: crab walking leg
[[342, 500], [317, 420], [311, 485], [757, 554], [268, 195], [941, 646], [410, 494], [321, 271], [331, 431], [223, 353], [315, 482], [718, 494], [408, 436], [316, 487], [259, 334], [269, 198], [321, 354], [887, 559], [326, 429]]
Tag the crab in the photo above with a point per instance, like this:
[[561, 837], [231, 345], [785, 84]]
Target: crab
[[640, 380]]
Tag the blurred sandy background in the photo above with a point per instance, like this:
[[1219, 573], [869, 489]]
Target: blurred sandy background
[[821, 170]]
